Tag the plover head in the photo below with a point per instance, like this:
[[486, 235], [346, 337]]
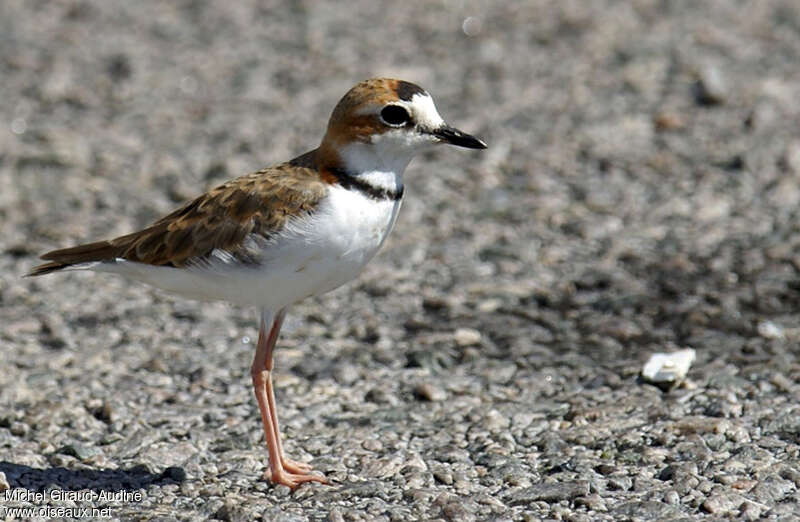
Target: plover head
[[382, 123]]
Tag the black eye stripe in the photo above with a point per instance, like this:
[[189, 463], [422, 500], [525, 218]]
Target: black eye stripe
[[395, 115]]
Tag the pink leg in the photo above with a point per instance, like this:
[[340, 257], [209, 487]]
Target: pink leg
[[282, 470], [289, 465]]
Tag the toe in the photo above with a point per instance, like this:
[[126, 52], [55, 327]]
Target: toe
[[300, 468], [293, 480]]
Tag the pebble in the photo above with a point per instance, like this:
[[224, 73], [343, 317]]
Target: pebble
[[668, 121], [668, 369], [457, 511], [671, 497], [792, 156], [372, 445], [712, 87], [496, 422], [770, 330], [335, 515], [646, 510], [549, 493], [80, 451], [724, 503], [751, 511], [380, 396], [232, 511], [773, 489], [467, 337], [620, 483], [488, 306], [18, 429], [443, 476], [594, 502], [429, 392]]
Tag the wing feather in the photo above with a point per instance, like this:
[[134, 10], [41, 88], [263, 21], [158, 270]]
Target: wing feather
[[222, 219]]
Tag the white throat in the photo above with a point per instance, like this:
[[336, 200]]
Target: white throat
[[376, 163]]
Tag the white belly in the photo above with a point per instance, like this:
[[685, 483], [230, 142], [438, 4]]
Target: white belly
[[312, 255]]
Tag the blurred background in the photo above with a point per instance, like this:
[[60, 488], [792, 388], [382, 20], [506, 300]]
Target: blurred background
[[639, 195]]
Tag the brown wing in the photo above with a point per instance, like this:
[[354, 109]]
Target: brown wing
[[258, 203]]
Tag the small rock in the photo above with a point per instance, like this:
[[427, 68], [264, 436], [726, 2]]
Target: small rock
[[369, 488], [372, 445], [750, 511], [705, 486], [594, 502], [18, 429], [743, 484], [156, 364], [380, 396], [415, 462], [620, 483], [278, 514], [467, 336], [419, 496], [435, 304], [61, 461], [432, 360], [762, 116], [666, 121], [781, 382], [791, 157], [549, 493], [102, 411], [428, 392], [723, 503], [80, 451], [231, 511], [683, 477], [457, 511], [646, 510], [712, 88], [668, 369], [119, 67], [792, 474], [496, 422], [384, 467], [489, 306], [772, 489], [443, 476], [416, 480], [345, 374], [335, 515], [770, 330], [671, 497], [605, 469]]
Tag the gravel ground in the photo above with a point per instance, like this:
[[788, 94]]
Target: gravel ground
[[639, 195]]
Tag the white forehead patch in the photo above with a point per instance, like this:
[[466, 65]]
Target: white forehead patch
[[425, 112]]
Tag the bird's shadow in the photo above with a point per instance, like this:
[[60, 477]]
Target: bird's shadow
[[136, 477]]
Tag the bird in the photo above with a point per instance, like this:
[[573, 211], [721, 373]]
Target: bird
[[287, 232]]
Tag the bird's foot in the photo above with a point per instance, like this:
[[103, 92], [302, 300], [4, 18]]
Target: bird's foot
[[293, 480], [298, 468]]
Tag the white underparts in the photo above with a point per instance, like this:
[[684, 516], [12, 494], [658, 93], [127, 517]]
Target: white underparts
[[312, 255]]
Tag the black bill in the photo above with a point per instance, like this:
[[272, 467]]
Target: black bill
[[454, 136]]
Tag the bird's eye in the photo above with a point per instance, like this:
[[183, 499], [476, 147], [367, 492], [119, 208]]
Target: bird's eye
[[395, 115]]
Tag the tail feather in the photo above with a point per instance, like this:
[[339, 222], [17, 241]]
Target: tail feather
[[46, 268], [66, 257]]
